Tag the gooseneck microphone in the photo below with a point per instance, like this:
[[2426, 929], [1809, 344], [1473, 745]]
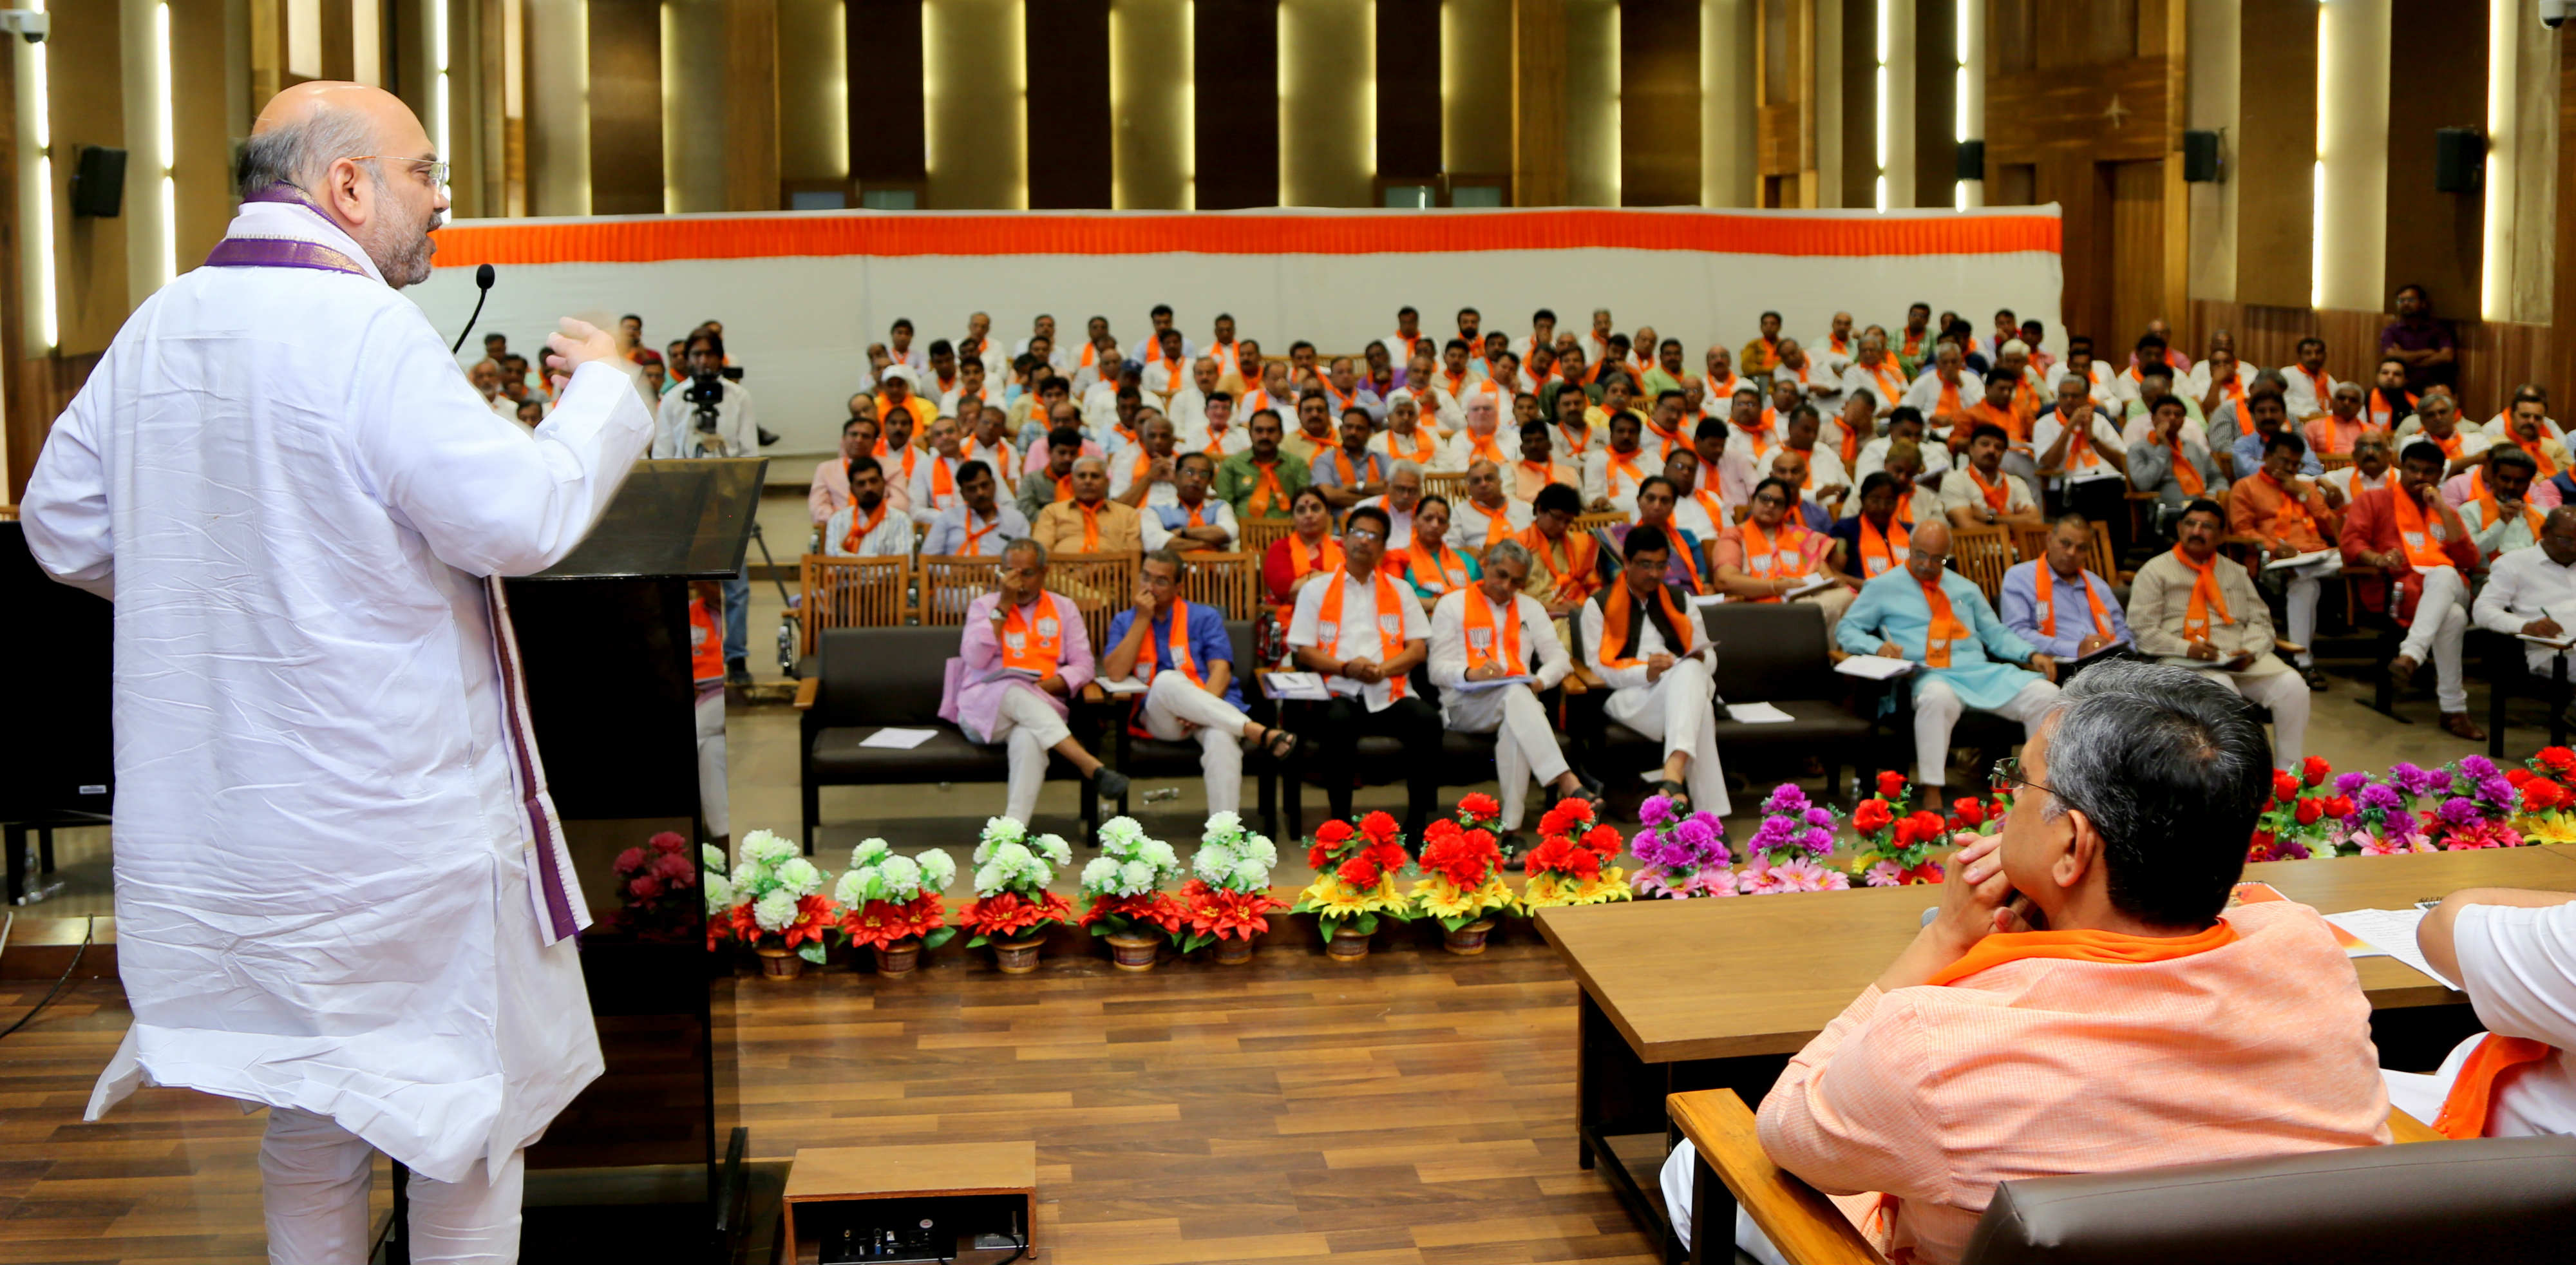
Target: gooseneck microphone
[[483, 283]]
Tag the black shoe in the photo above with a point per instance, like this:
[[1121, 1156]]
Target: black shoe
[[2316, 677], [1109, 782], [767, 436], [737, 672]]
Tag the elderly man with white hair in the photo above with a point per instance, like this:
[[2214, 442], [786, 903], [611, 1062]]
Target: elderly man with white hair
[[1485, 636], [1481, 439]]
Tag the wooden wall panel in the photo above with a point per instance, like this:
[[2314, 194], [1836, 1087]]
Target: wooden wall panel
[[2435, 240], [1860, 103], [2276, 145], [2495, 356], [1236, 133], [1538, 103], [1936, 101], [202, 146], [85, 70], [888, 122], [751, 103], [1068, 87], [1408, 89], [625, 107], [2562, 362], [1659, 103]]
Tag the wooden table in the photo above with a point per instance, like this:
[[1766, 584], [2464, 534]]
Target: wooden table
[[1680, 995]]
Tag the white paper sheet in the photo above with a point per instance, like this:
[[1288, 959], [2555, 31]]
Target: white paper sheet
[[2392, 932], [2299, 560], [1121, 688], [898, 739], [1479, 687], [1757, 714], [1872, 667], [1305, 685]]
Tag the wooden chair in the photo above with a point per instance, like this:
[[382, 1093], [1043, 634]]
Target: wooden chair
[[1602, 521], [2335, 460], [2032, 542], [950, 584], [1448, 486], [852, 593], [1258, 534], [1230, 582], [1983, 554], [1101, 584]]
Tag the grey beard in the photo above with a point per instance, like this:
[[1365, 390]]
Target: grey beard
[[405, 261]]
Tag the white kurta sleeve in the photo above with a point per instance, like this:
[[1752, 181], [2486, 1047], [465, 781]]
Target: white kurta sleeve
[[69, 528], [488, 498], [1449, 640], [2520, 968]]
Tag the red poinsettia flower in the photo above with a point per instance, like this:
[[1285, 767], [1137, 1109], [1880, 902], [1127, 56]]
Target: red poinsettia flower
[[1479, 807], [1379, 827], [1219, 913], [1871, 814], [1891, 783], [2557, 759], [1005, 915], [1968, 813], [813, 918], [2314, 770], [2284, 787], [2309, 811]]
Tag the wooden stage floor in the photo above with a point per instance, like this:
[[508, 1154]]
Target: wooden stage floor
[[1414, 1107]]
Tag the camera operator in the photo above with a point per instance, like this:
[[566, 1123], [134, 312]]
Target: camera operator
[[709, 415]]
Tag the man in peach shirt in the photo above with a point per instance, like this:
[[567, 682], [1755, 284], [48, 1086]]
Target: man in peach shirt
[[2147, 1025]]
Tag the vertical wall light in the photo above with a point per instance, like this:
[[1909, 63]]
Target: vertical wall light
[[1878, 94], [2495, 280], [1960, 103], [438, 78], [2317, 175], [41, 110], [169, 142]]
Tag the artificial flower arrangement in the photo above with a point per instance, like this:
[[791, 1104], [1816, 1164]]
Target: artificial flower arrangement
[[2302, 817], [1896, 838], [2480, 812], [1227, 897], [890, 903], [726, 921], [1571, 864], [1679, 858], [1462, 868], [1790, 847], [778, 902], [652, 882], [1125, 887], [1355, 872], [2547, 784], [2380, 821], [1012, 870]]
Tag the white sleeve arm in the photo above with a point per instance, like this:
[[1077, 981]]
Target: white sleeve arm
[[489, 499], [1448, 643], [69, 527], [2520, 969]]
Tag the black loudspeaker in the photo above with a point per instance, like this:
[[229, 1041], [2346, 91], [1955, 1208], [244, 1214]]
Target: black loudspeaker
[[2200, 157], [98, 183], [1972, 161], [2459, 159]]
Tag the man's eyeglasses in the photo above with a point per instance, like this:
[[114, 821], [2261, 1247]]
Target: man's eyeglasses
[[436, 167], [1364, 533], [2007, 772]]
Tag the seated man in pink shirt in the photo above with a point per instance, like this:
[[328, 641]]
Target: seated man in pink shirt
[[2084, 1000]]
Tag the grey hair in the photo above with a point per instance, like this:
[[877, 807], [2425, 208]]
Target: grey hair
[[298, 154], [1507, 551], [1407, 466], [1024, 544], [1080, 462], [2172, 769]]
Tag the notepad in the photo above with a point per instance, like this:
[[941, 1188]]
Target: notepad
[[1496, 683], [2296, 561], [1295, 685], [1874, 668], [898, 739], [1122, 687], [1757, 714]]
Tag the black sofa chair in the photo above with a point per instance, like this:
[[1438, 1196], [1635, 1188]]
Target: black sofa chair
[[1143, 757], [1465, 759], [868, 678]]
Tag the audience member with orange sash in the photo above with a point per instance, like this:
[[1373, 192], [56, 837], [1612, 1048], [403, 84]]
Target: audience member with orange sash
[[2312, 390], [1183, 653], [1090, 523], [2290, 516], [1352, 471], [1406, 438], [1611, 474], [2341, 426], [1491, 630], [1946, 393], [868, 527], [2389, 402], [2199, 609], [1052, 481], [979, 524], [1645, 640], [2509, 951], [1774, 553], [1485, 515], [1696, 507], [1875, 374], [1433, 566], [2409, 532], [2056, 605], [2083, 1000], [2437, 422], [2168, 457], [1998, 409], [1874, 541], [1140, 474], [1308, 553], [1565, 563], [1936, 618], [1984, 494], [1362, 630], [1194, 521], [1481, 438], [934, 475], [1260, 481], [2079, 448], [2525, 429], [1904, 425], [1023, 654], [1656, 507]]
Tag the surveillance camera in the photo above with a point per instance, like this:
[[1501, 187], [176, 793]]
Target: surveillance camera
[[30, 23], [2553, 12]]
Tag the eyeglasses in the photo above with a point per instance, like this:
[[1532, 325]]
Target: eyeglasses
[[437, 167], [2007, 771], [1364, 533]]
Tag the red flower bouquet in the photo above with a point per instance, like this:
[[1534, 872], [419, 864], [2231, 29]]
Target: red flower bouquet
[[655, 886], [1571, 864], [1461, 870], [1355, 871]]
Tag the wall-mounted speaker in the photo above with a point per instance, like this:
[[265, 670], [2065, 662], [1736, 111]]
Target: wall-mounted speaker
[[1972, 161], [2459, 159], [98, 182], [2200, 157]]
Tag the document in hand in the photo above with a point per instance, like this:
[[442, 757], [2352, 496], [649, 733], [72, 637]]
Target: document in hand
[[1479, 687], [1870, 667], [2389, 932]]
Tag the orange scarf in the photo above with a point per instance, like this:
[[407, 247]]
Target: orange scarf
[[2293, 511], [1762, 552], [2045, 597], [1673, 438], [1421, 455], [2386, 417], [2490, 513], [1482, 645], [1615, 614], [1575, 441], [2080, 453], [1302, 559], [2539, 453], [910, 454], [1689, 557], [858, 530], [1484, 446], [1944, 628], [2205, 597], [1002, 453], [1064, 487], [1216, 442], [1498, 524], [2322, 385], [1546, 473], [1037, 648], [2008, 419], [943, 482], [2108, 947], [1891, 384], [1616, 463], [1181, 661], [1448, 570], [974, 537], [1948, 405], [1267, 493], [1998, 495], [2450, 447], [2421, 549], [1390, 625], [1090, 526], [1342, 465], [1570, 561], [1878, 549], [2472, 1097], [2185, 473]]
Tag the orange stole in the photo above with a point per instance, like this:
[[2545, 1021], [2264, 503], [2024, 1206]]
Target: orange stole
[[1619, 607], [1033, 645], [2472, 1097], [2044, 596], [1943, 629], [1483, 646], [2205, 597], [2082, 946], [1390, 639], [858, 530], [1572, 564], [2412, 534], [1878, 549]]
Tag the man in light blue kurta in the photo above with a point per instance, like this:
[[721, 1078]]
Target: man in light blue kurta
[[1892, 618]]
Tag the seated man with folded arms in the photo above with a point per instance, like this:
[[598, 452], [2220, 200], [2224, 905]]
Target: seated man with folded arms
[[1364, 632], [2406, 530], [867, 527], [2199, 609], [2083, 1000], [1774, 553], [2053, 603], [1936, 618], [2514, 953], [1352, 472], [2524, 585], [2167, 457], [1646, 642], [1485, 515], [1181, 651], [1984, 494], [1490, 629], [979, 524], [1194, 521], [1688, 570], [1024, 653], [2290, 516], [1090, 523]]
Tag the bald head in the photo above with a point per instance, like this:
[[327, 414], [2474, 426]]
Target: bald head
[[360, 156]]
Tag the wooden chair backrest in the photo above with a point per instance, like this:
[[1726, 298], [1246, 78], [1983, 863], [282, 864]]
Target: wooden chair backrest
[[1982, 554], [852, 593], [2335, 460], [2032, 543], [1230, 582], [950, 584], [1258, 534], [1101, 584], [1598, 522], [1448, 486]]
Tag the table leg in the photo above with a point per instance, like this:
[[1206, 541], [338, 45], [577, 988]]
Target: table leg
[[16, 846]]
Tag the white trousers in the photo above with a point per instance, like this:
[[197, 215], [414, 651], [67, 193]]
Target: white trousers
[[1175, 710], [316, 1177], [1030, 728], [712, 802], [1676, 710], [2286, 693], [1936, 713], [2302, 589], [1524, 742], [1676, 1181], [2441, 619]]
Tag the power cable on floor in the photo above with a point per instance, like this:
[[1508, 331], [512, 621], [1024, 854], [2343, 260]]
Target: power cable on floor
[[89, 928]]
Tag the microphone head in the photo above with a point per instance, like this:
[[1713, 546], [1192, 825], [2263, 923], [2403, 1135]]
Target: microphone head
[[483, 276]]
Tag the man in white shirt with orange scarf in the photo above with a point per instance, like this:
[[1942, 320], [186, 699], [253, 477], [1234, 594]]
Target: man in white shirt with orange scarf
[[1364, 632], [1645, 640], [2199, 610], [1489, 630]]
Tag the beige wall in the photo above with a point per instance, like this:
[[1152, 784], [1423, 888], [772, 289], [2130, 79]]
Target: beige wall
[[2353, 135], [558, 107], [1476, 87], [813, 108], [1149, 104], [693, 105], [2523, 252], [2210, 104], [1327, 102], [1592, 102], [975, 54]]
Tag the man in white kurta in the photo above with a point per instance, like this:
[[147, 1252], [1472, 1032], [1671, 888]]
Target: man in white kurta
[[1504, 633], [326, 825], [1656, 663]]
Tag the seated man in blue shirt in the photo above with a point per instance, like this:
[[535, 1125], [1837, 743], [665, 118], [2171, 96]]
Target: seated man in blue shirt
[[2059, 607], [2263, 400], [1181, 650]]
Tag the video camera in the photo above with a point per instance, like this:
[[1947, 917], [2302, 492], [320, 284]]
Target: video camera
[[706, 390]]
